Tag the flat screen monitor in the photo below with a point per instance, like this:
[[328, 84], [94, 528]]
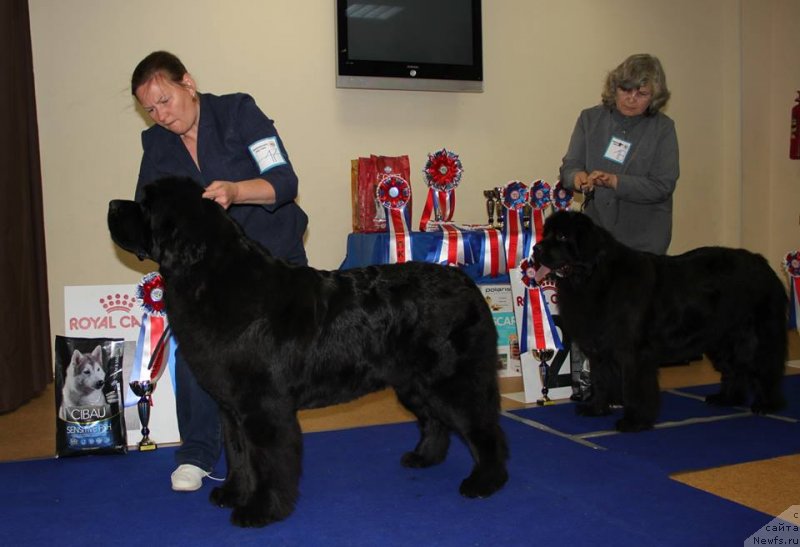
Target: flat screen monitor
[[431, 45]]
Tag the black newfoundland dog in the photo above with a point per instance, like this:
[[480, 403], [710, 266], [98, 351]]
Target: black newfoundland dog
[[631, 311], [265, 339]]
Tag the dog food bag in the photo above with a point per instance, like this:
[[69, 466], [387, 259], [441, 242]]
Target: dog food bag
[[90, 416]]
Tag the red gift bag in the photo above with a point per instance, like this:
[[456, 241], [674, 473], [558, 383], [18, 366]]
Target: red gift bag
[[368, 214]]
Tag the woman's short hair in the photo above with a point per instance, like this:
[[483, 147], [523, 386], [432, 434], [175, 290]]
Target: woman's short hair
[[634, 72], [162, 62]]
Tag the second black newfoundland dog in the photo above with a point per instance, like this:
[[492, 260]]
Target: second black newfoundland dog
[[265, 339], [632, 311]]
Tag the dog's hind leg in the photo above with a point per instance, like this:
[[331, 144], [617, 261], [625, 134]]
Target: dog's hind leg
[[489, 449], [471, 406], [434, 434], [731, 357], [769, 366]]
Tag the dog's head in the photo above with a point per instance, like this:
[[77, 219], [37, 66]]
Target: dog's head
[[571, 245], [171, 223], [86, 370]]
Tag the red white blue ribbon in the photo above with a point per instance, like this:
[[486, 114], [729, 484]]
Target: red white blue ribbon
[[791, 264], [494, 262], [394, 193], [154, 347], [538, 330], [442, 173], [540, 201], [514, 197], [451, 247]]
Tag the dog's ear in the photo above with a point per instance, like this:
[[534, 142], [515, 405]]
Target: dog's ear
[[129, 228], [97, 353]]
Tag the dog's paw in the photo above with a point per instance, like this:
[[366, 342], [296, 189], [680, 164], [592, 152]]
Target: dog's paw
[[417, 461], [222, 496], [261, 511], [630, 425], [483, 483], [252, 516], [721, 399], [589, 409], [767, 407]]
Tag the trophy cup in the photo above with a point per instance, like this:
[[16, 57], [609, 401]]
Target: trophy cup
[[144, 389], [494, 207], [489, 195], [543, 355]]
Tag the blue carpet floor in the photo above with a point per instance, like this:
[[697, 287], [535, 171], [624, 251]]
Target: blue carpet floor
[[354, 491]]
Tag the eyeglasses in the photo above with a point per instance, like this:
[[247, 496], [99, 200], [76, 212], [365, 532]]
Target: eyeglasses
[[636, 93]]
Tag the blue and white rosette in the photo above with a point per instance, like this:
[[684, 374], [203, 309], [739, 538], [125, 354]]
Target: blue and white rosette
[[394, 193], [562, 197], [538, 330], [514, 197], [791, 263]]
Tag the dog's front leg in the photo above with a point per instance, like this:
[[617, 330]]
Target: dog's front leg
[[601, 376], [640, 394], [271, 473], [235, 491]]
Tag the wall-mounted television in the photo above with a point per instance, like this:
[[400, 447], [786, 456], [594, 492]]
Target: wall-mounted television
[[431, 45]]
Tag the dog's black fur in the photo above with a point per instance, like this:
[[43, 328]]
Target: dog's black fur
[[632, 311], [265, 339]]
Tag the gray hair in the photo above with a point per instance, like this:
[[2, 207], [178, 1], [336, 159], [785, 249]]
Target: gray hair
[[634, 72]]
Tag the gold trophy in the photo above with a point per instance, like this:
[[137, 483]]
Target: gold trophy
[[144, 389]]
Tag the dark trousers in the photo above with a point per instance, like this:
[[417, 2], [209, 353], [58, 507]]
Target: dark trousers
[[198, 420]]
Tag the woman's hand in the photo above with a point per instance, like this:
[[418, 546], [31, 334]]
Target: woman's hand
[[223, 192], [581, 182], [601, 178]]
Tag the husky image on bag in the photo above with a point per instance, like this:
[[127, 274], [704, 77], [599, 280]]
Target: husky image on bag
[[82, 396]]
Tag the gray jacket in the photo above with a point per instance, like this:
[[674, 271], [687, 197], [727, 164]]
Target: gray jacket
[[639, 212]]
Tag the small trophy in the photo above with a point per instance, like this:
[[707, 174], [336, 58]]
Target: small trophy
[[144, 389], [543, 355], [493, 206]]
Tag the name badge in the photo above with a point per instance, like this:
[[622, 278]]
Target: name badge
[[267, 153], [617, 150]]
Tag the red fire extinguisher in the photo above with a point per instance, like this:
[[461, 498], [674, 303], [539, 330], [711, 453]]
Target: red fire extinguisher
[[794, 139]]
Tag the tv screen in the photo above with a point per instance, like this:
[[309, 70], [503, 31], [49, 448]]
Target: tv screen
[[433, 45]]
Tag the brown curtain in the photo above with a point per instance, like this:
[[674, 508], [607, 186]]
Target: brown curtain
[[25, 354]]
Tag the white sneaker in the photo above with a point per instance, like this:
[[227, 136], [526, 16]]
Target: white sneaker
[[187, 478]]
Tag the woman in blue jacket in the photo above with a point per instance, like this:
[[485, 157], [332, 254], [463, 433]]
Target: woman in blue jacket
[[228, 146]]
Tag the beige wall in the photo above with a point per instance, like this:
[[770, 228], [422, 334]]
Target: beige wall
[[544, 61]]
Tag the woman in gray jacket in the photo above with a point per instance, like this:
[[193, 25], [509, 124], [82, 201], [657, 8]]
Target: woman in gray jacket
[[623, 155]]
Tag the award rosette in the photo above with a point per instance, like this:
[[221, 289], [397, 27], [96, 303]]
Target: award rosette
[[152, 352], [562, 197], [394, 193], [540, 201], [538, 330], [152, 345], [791, 264], [442, 174], [514, 198]]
